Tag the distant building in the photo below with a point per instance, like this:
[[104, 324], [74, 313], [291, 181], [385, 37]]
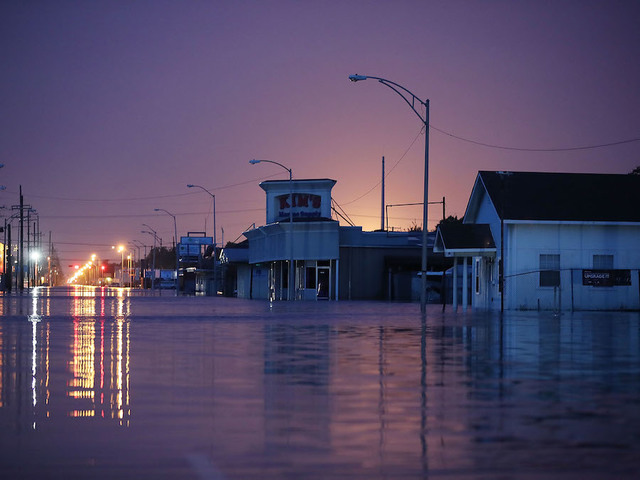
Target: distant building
[[330, 262], [566, 241]]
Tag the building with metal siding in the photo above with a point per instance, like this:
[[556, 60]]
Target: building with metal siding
[[330, 261], [564, 241]]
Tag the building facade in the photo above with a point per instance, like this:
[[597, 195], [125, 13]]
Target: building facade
[[551, 241], [300, 237], [330, 262]]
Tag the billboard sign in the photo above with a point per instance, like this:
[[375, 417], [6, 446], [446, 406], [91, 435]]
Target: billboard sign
[[305, 205], [196, 240]]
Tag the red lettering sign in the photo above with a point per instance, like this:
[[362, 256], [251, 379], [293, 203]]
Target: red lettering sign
[[301, 200]]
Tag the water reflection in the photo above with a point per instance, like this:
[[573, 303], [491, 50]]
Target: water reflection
[[39, 380], [317, 391], [90, 378], [100, 367]]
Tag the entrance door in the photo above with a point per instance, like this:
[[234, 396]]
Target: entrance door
[[323, 283]]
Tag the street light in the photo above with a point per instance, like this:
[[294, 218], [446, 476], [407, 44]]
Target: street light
[[95, 263], [139, 244], [215, 243], [35, 256], [153, 261], [175, 232], [152, 232], [121, 251], [291, 270], [136, 246], [411, 100]]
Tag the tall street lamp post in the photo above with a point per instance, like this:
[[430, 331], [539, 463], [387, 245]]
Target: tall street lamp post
[[175, 232], [153, 232], [136, 246], [215, 243], [411, 100], [121, 251], [94, 268], [153, 255], [291, 269], [139, 244]]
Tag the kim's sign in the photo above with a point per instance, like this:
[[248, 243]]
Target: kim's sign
[[305, 205], [606, 278]]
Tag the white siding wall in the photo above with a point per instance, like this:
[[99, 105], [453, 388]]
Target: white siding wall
[[576, 245], [489, 298]]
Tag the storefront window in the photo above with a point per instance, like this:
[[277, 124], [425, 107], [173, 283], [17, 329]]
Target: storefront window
[[310, 277]]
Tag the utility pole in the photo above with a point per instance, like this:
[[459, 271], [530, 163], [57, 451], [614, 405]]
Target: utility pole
[[36, 250], [4, 257], [28, 248], [8, 281], [20, 249], [20, 264], [383, 205], [49, 262]]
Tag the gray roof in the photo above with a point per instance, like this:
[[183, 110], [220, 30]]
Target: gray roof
[[563, 196]]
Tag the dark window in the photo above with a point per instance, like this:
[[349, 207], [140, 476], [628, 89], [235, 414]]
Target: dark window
[[603, 262], [311, 277], [549, 270]]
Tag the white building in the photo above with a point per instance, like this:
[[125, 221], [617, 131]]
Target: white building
[[569, 241], [303, 233], [331, 262]]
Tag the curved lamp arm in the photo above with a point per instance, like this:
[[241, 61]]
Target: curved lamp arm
[[409, 97], [254, 161]]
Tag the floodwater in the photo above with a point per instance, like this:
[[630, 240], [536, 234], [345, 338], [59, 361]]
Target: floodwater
[[111, 384]]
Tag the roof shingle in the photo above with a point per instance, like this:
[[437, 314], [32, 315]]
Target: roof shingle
[[564, 196]]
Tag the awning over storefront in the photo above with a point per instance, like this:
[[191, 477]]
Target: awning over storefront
[[465, 240], [310, 241]]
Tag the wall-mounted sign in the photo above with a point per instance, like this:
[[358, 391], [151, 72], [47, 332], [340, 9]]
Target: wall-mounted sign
[[196, 240], [606, 278], [305, 205]]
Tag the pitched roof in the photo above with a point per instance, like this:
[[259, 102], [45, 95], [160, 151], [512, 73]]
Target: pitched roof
[[564, 196]]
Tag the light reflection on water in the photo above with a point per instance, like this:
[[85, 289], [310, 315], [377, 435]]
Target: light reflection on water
[[101, 383]]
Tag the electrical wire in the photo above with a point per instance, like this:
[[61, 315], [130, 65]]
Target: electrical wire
[[490, 145], [391, 170], [155, 197], [145, 215], [524, 149]]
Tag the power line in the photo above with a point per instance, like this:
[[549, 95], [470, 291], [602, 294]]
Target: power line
[[501, 147], [391, 170], [155, 197], [145, 215], [526, 149]]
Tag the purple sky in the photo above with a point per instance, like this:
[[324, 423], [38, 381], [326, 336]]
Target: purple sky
[[109, 108]]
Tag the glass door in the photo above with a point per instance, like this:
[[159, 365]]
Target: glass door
[[323, 283]]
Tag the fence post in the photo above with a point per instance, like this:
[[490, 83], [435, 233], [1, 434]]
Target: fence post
[[572, 306]]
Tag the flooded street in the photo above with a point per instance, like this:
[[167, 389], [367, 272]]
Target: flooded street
[[98, 384]]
